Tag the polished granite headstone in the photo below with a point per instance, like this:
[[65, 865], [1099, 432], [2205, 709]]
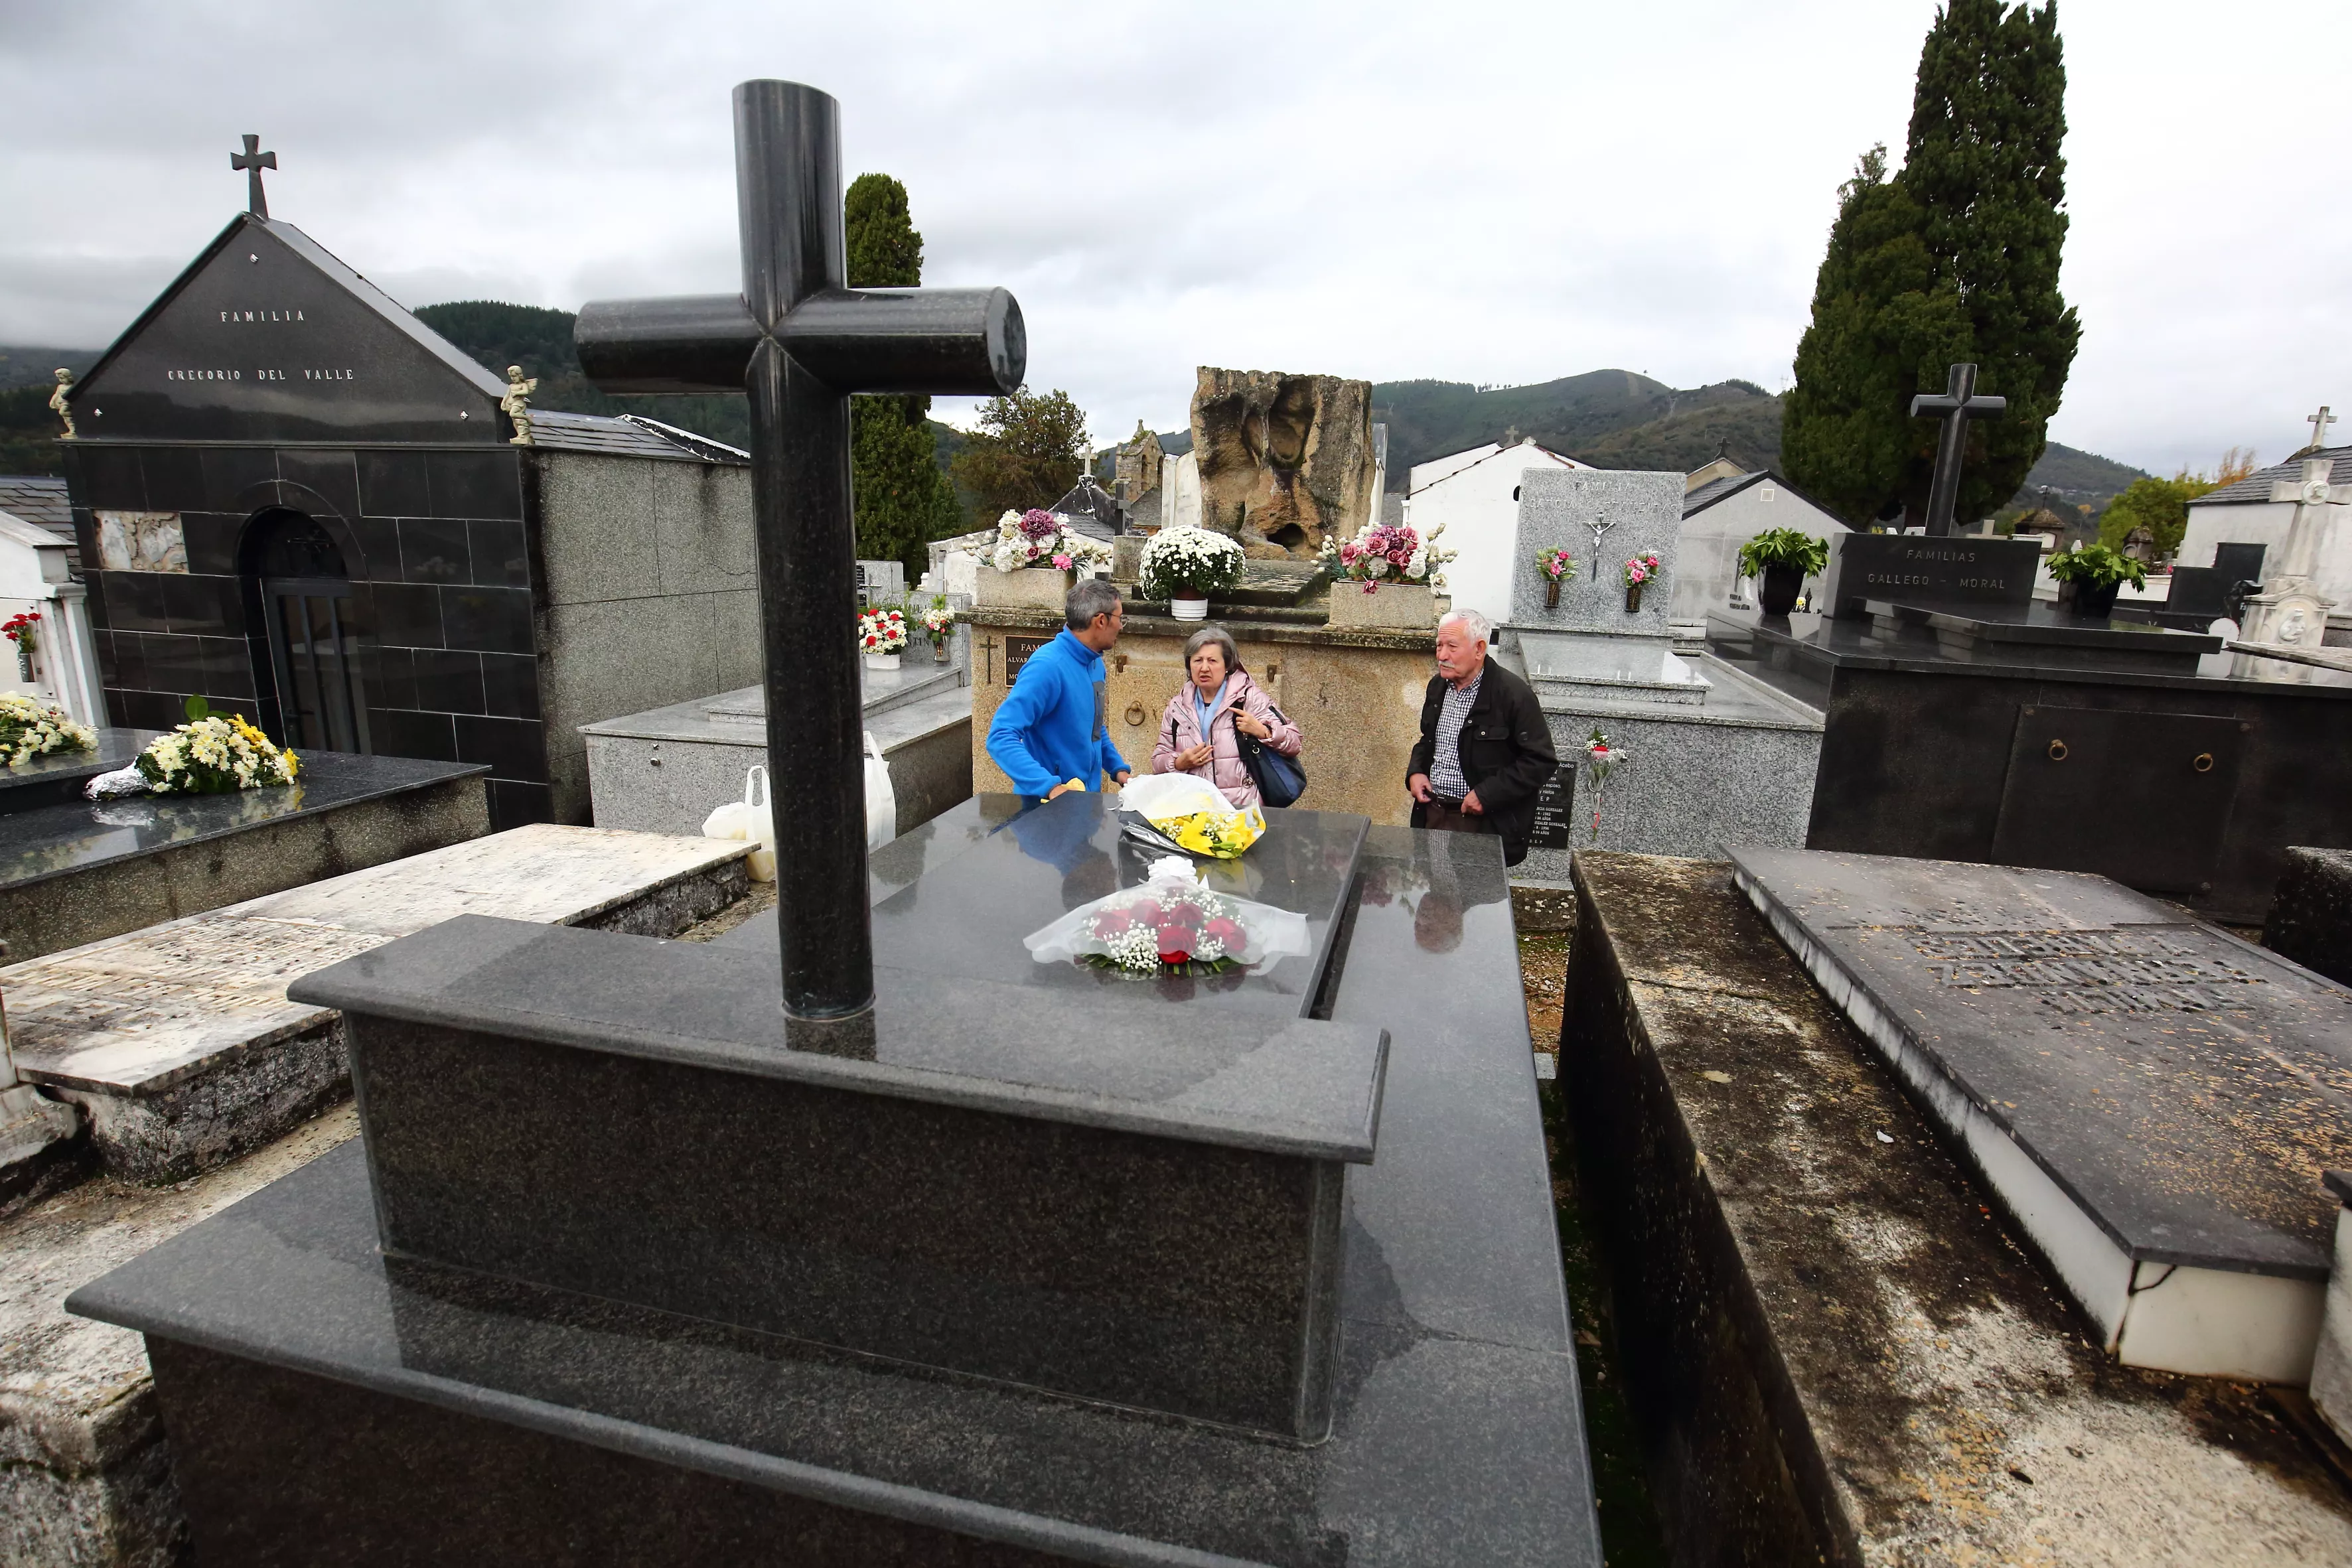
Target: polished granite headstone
[[2153, 1098], [1958, 571], [313, 1388]]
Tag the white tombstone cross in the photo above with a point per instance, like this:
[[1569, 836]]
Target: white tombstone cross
[[2319, 422]]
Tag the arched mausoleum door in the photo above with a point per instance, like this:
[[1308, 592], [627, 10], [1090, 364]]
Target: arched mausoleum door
[[295, 577]]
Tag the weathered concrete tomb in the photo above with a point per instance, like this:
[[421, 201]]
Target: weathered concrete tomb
[[1838, 1341]]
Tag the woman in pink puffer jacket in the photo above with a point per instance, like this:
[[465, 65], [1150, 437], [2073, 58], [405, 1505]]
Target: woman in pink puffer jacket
[[1221, 691]]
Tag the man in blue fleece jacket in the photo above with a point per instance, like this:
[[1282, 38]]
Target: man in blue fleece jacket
[[1050, 729]]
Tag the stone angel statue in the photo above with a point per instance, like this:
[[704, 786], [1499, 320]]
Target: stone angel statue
[[57, 403], [517, 403]]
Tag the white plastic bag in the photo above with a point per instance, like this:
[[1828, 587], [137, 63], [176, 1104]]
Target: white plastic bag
[[753, 818], [1164, 797], [1171, 924], [881, 800]]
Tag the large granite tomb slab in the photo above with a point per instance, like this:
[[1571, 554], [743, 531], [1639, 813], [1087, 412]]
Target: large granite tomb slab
[[985, 1180], [2153, 1099], [316, 1389]]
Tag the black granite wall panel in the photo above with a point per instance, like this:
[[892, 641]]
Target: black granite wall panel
[[439, 610]]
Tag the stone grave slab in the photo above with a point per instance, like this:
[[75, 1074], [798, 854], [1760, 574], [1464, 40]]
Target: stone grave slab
[[180, 1044], [2153, 1099], [77, 871]]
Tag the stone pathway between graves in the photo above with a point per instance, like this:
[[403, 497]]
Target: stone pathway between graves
[[1630, 1537]]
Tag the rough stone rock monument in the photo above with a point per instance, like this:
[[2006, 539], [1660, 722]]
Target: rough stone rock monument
[[1286, 461]]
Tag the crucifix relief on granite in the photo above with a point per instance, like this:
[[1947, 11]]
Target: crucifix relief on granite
[[1601, 524], [799, 343]]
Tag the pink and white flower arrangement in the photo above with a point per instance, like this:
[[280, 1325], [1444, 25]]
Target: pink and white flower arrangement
[[1557, 565], [882, 630], [1036, 537], [1641, 569], [938, 619], [1386, 551]]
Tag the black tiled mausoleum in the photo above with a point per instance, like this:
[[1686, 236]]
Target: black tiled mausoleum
[[298, 501]]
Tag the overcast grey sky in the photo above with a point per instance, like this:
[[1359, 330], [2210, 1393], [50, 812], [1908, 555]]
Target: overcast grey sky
[[1492, 193]]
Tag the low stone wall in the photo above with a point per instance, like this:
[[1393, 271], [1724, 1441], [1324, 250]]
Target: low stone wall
[[1836, 1351], [2311, 914], [1355, 695]]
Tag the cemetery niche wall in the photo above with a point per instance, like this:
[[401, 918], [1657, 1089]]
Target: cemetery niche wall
[[296, 500]]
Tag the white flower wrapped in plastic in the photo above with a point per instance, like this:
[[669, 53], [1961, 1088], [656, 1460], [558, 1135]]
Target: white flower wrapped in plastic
[[1171, 927]]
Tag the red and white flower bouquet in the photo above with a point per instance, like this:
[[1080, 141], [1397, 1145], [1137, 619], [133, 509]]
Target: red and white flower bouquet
[[1171, 926]]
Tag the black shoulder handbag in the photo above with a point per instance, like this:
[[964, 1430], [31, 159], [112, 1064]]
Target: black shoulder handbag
[[1281, 780]]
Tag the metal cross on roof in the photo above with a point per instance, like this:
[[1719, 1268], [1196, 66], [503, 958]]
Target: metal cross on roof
[[800, 343], [253, 161], [2319, 422], [1958, 405]]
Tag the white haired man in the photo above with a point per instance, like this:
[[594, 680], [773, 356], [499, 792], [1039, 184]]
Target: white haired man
[[1484, 749]]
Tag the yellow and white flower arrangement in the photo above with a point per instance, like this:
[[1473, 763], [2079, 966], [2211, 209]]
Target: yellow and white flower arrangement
[[210, 754], [30, 729]]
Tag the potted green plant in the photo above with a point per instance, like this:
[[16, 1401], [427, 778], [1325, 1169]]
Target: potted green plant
[[1783, 558], [2098, 574]]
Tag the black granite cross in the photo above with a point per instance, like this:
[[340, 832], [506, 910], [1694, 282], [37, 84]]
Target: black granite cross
[[1958, 405], [799, 343], [253, 161]]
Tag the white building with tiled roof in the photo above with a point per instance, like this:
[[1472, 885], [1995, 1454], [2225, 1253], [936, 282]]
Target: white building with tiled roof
[[2244, 513], [1475, 496]]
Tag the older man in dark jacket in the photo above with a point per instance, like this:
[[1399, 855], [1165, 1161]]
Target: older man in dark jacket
[[1484, 749]]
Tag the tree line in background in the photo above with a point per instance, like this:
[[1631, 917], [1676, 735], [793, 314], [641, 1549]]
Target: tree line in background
[[1953, 258]]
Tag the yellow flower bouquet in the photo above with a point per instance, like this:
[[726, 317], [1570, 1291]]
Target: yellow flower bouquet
[[1194, 813]]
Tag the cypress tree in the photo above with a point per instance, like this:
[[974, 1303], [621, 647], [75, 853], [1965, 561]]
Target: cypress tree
[[902, 499], [1953, 258]]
